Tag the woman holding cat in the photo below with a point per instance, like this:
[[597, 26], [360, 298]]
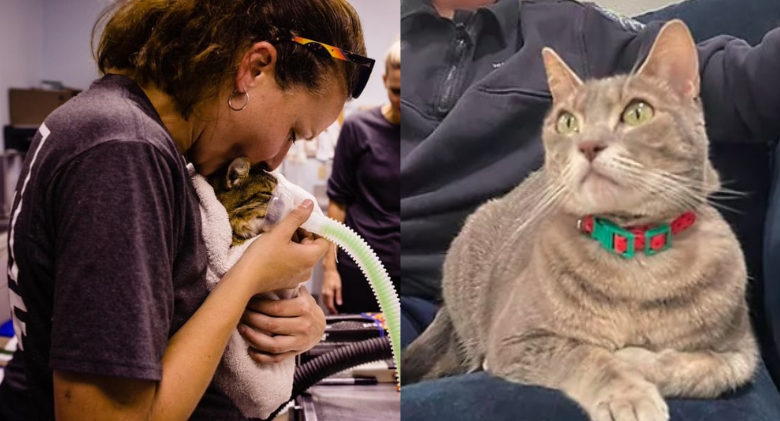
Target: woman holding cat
[[740, 100], [107, 262]]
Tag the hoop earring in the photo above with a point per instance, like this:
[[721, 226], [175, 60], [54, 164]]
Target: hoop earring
[[230, 101]]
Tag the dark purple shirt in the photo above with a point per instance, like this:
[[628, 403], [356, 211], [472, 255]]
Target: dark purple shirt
[[366, 174]]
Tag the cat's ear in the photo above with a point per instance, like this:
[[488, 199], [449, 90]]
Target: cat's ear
[[237, 171], [674, 58], [561, 79]]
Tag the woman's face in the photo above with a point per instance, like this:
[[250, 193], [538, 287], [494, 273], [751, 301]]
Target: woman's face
[[264, 129]]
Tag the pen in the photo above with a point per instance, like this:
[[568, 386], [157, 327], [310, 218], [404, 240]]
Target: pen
[[359, 381]]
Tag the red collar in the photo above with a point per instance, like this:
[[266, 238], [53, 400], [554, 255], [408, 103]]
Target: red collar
[[626, 242]]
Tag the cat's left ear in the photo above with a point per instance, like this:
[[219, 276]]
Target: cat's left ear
[[561, 79], [674, 58], [237, 171]]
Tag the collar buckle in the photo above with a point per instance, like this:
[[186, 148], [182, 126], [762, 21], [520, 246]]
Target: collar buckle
[[658, 239], [613, 238]]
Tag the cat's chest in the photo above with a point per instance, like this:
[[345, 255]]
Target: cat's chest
[[670, 301], [614, 323]]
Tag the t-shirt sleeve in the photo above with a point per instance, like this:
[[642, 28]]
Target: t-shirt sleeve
[[113, 213], [342, 184]]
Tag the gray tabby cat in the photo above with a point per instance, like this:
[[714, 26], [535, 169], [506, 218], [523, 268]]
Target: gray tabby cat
[[533, 299]]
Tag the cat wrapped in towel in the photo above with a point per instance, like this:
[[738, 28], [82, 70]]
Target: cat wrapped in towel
[[608, 274], [233, 204]]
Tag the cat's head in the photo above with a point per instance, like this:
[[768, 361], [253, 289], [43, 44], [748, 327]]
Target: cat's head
[[244, 191], [632, 146]]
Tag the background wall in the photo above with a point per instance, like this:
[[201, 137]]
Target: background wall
[[633, 7], [67, 26], [50, 40], [381, 20], [21, 47]]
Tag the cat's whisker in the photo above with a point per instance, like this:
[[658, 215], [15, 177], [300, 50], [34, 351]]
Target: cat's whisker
[[549, 198], [724, 207], [538, 184], [718, 196], [650, 183], [668, 179], [700, 185]]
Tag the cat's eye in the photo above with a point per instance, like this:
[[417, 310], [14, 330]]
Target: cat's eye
[[637, 113], [567, 124]]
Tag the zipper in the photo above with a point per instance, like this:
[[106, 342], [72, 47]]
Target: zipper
[[452, 77]]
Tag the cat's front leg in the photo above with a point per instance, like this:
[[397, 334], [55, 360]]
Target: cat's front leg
[[601, 383], [704, 374]]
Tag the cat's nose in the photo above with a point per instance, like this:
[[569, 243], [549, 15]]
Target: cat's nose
[[591, 148]]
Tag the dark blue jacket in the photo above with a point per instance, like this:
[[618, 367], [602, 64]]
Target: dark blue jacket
[[490, 139]]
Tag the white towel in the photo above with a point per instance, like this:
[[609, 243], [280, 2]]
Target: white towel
[[256, 389]]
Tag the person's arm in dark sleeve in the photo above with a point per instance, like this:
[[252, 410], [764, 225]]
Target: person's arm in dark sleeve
[[740, 86], [746, 19]]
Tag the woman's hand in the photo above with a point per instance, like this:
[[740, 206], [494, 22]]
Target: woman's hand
[[280, 259], [280, 329], [331, 289]]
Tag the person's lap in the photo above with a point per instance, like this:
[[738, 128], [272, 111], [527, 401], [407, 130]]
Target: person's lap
[[479, 396], [416, 315]]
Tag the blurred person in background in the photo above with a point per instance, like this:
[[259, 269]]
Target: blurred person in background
[[367, 160]]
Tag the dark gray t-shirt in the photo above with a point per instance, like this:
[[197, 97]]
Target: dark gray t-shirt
[[106, 259]]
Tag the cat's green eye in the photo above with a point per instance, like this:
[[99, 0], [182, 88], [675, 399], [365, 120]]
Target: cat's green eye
[[637, 113], [567, 124]]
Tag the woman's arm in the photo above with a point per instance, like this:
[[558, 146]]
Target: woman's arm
[[189, 363], [193, 353]]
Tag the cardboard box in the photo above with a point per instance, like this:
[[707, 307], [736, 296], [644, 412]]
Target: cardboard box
[[29, 107]]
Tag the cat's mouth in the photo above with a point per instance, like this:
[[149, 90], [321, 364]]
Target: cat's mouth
[[595, 174]]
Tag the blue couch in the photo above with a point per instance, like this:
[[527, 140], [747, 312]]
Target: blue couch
[[746, 167]]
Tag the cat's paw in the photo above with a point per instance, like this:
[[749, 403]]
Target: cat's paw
[[637, 356], [655, 367], [629, 401]]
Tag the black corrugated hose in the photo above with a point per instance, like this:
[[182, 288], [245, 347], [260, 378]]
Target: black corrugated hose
[[349, 356], [328, 364]]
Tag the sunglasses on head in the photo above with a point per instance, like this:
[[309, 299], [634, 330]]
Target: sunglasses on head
[[365, 64]]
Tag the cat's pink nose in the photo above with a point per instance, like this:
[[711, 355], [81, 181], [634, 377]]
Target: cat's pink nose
[[591, 148]]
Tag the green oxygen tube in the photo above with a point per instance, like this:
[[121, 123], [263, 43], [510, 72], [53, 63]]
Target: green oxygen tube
[[286, 196]]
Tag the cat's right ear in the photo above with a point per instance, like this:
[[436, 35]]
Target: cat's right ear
[[560, 78], [237, 171], [674, 59]]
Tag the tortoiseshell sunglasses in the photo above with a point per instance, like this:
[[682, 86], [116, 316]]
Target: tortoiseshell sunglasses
[[366, 64]]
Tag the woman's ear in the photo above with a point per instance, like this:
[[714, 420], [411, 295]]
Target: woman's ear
[[258, 61]]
